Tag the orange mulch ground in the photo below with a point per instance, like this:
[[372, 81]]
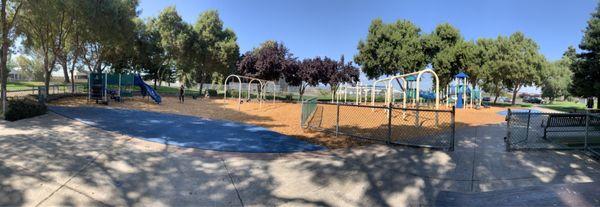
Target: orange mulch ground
[[280, 117]]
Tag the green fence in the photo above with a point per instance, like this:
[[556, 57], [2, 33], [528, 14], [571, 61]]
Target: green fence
[[309, 106]]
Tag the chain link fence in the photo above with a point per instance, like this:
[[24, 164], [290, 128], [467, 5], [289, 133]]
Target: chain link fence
[[557, 131], [52, 90], [402, 126]]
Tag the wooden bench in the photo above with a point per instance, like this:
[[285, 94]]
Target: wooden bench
[[570, 121]]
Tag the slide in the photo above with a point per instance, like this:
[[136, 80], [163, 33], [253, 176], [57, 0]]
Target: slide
[[146, 89]]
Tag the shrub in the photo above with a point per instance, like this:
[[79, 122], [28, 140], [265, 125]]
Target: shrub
[[23, 108], [212, 92]]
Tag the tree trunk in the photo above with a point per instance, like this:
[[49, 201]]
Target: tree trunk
[[514, 96], [72, 81], [64, 63], [201, 84], [597, 102], [3, 61], [496, 94]]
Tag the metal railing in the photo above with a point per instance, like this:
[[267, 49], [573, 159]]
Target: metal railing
[[528, 130], [400, 126]]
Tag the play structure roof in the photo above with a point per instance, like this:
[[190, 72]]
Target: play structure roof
[[411, 78], [461, 75]]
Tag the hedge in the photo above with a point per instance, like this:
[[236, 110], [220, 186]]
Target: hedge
[[23, 108]]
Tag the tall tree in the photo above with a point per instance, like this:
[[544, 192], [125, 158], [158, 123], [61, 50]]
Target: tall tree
[[43, 24], [391, 49], [558, 77], [216, 50], [265, 62], [342, 73], [311, 73], [9, 11], [586, 70], [108, 31], [492, 62], [525, 64], [169, 26]]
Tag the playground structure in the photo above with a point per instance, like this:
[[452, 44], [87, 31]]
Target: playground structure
[[410, 89], [103, 87], [260, 92], [361, 93], [461, 94]]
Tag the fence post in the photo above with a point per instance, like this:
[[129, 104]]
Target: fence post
[[453, 124], [587, 131], [337, 119], [528, 121], [507, 138], [417, 116], [389, 134]]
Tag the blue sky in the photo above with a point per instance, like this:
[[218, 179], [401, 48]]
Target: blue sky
[[333, 27]]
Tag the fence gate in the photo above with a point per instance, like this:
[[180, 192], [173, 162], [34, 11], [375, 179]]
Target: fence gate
[[554, 131], [401, 126]]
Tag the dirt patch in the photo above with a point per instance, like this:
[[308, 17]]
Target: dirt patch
[[285, 117]]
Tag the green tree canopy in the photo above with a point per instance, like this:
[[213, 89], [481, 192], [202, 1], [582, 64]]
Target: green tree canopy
[[217, 50], [557, 78], [524, 63], [391, 49], [586, 69]]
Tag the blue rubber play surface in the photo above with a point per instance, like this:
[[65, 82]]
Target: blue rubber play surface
[[187, 131], [504, 113]]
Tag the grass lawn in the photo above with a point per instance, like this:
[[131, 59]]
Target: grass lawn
[[28, 85], [524, 105], [174, 90], [564, 106], [22, 85]]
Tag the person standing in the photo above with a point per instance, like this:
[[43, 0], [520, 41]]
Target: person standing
[[181, 94]]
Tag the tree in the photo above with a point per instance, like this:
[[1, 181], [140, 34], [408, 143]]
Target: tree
[[148, 55], [342, 73], [558, 77], [391, 49], [107, 31], [524, 64], [43, 25], [310, 73], [216, 50], [170, 27], [265, 62], [9, 11], [492, 65], [586, 69]]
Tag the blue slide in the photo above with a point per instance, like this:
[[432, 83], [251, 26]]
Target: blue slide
[[146, 89]]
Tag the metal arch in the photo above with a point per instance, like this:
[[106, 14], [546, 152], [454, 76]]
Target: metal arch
[[419, 74], [225, 86], [437, 86], [261, 86], [264, 92], [239, 77]]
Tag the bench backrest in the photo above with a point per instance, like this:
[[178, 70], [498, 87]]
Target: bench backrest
[[566, 120], [571, 120]]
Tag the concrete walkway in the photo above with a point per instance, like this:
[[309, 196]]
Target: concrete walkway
[[51, 160]]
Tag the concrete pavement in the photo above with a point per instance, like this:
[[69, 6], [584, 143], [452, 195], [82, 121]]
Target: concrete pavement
[[51, 160]]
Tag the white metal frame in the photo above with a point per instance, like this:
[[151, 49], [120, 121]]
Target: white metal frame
[[260, 93], [419, 74]]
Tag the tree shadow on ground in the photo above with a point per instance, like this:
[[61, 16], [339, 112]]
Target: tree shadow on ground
[[111, 169]]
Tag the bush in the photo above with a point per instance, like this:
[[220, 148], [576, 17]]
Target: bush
[[212, 92], [23, 108]]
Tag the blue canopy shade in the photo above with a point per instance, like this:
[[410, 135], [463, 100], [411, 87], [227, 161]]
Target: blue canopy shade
[[461, 75]]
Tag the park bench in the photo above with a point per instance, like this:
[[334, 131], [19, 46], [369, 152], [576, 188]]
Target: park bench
[[576, 123]]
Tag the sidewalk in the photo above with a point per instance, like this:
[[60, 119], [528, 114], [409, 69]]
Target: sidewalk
[[51, 160]]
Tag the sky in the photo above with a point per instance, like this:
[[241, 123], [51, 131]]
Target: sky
[[333, 28]]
